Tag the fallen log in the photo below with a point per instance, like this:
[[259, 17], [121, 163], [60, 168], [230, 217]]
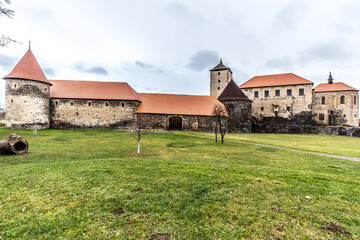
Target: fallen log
[[14, 145]]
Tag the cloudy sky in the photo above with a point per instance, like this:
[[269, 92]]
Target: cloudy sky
[[168, 46]]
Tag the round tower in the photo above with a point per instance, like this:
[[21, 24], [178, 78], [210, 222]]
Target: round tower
[[220, 76], [27, 95]]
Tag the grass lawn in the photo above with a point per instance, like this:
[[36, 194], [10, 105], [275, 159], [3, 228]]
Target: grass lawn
[[88, 184]]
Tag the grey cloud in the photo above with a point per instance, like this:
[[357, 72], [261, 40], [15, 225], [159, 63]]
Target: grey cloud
[[6, 61], [333, 51], [81, 67], [147, 67], [203, 59], [49, 71]]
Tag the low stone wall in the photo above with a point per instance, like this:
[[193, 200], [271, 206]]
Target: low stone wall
[[305, 129]]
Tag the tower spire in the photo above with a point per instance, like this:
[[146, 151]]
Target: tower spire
[[29, 45], [330, 79]]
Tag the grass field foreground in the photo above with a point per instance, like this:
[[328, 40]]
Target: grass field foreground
[[89, 184]]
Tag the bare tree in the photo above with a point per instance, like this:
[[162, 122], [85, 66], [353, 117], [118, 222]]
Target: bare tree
[[138, 130], [6, 12], [221, 116]]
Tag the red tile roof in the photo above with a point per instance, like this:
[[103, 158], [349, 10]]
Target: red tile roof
[[28, 68], [284, 79], [334, 87], [177, 104], [93, 90], [232, 92]]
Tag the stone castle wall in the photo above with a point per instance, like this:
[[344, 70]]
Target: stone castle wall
[[285, 106], [239, 112], [189, 122], [83, 113], [332, 112], [27, 104]]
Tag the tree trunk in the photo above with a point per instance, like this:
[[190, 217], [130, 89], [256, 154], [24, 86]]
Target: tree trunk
[[222, 138], [14, 145], [139, 147]]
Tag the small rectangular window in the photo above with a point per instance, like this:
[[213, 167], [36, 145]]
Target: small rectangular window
[[219, 81], [321, 117], [266, 93], [122, 104], [354, 100], [256, 94], [289, 92], [89, 103], [277, 93], [218, 88], [56, 102], [72, 103], [301, 91], [262, 108], [288, 108], [218, 73], [106, 104]]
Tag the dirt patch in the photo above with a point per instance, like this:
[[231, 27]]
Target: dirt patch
[[139, 154], [276, 210], [332, 227], [160, 236], [118, 211], [138, 190]]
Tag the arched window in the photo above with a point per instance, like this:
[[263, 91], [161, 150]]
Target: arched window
[[323, 100], [342, 100], [354, 100]]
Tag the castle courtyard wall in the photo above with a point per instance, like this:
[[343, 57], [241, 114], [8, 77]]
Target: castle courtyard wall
[[239, 112], [285, 106], [27, 104], [77, 114]]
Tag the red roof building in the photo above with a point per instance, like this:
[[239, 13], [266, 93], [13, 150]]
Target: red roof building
[[286, 79]]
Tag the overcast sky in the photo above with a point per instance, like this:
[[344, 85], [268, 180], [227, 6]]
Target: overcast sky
[[169, 46]]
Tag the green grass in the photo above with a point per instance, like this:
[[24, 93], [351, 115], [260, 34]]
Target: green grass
[[337, 145], [70, 184]]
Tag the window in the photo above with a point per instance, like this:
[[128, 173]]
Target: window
[[122, 104], [342, 100], [15, 85], [289, 92], [323, 100], [45, 89], [89, 103], [288, 108], [72, 103], [256, 94], [218, 73], [266, 93], [56, 102], [344, 115], [301, 91], [262, 108], [106, 104], [354, 100], [219, 81], [218, 88], [277, 93], [321, 117]]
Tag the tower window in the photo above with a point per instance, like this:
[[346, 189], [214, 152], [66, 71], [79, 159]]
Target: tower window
[[354, 100], [106, 104], [218, 88], [301, 92], [56, 102], [277, 93], [323, 100], [288, 108], [45, 89], [123, 105], [342, 100], [321, 117], [218, 80], [262, 108], [15, 85], [266, 93], [89, 103], [71, 103], [256, 94], [289, 92], [218, 73]]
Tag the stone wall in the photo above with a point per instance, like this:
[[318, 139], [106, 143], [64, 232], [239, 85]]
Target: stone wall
[[2, 115], [191, 123], [332, 112], [239, 111], [285, 106], [27, 104], [218, 82], [86, 113]]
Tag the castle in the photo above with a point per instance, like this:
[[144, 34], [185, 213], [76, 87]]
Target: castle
[[34, 101]]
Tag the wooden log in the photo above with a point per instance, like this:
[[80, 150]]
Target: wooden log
[[14, 145]]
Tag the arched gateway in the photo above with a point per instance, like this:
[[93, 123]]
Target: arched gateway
[[175, 123]]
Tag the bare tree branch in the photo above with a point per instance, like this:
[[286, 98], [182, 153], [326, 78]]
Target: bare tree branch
[[7, 12], [221, 116]]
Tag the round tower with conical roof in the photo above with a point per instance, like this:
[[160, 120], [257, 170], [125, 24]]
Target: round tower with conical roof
[[27, 95], [220, 76]]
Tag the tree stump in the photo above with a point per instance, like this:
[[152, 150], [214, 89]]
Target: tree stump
[[14, 145]]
